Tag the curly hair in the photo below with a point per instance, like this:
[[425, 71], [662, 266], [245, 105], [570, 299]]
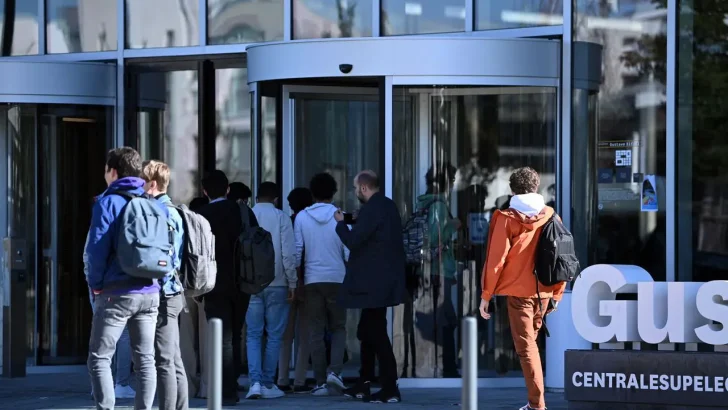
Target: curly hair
[[524, 181]]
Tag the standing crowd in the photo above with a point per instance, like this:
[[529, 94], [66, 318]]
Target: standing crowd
[[157, 271]]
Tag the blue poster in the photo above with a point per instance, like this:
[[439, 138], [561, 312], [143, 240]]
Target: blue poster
[[649, 194], [478, 228]]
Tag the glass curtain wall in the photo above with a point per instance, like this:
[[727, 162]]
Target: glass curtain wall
[[233, 142], [501, 14], [74, 26], [332, 18], [244, 21], [631, 146], [18, 28], [702, 146], [400, 17], [162, 23], [171, 135], [458, 145]]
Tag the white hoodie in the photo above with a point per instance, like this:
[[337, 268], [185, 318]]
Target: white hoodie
[[528, 204], [315, 231]]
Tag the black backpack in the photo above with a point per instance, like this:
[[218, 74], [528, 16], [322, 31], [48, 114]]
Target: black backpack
[[556, 259], [257, 257]]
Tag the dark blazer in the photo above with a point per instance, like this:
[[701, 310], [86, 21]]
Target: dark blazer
[[375, 273], [226, 225]]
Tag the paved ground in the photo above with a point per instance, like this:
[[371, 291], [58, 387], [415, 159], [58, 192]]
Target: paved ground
[[71, 391]]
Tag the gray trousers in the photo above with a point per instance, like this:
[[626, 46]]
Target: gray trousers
[[323, 313], [171, 378], [111, 314]]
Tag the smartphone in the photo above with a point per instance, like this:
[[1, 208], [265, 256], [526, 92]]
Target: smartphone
[[349, 219]]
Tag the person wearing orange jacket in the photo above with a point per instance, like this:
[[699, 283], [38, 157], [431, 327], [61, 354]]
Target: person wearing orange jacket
[[509, 271]]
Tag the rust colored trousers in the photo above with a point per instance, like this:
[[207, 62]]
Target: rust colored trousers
[[526, 319]]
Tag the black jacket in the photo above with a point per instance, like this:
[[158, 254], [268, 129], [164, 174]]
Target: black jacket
[[226, 225], [375, 273]]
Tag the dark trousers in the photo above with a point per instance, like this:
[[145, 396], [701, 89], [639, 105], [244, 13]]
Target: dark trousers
[[231, 310], [375, 345]]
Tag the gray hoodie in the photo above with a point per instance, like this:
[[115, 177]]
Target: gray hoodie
[[315, 231]]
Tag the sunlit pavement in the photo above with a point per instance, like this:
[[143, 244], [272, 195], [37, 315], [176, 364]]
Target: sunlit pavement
[[71, 391]]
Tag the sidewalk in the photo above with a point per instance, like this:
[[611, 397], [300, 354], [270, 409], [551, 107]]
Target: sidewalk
[[71, 391]]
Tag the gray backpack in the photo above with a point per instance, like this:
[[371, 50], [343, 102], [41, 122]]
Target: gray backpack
[[257, 256], [145, 239], [199, 268]]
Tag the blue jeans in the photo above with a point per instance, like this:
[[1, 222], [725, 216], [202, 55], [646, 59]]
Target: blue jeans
[[121, 363], [112, 314], [267, 311]]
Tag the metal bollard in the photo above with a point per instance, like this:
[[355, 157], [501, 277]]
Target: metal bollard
[[470, 363], [214, 363]]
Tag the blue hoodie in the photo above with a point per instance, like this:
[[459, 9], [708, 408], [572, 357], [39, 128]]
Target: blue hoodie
[[104, 273]]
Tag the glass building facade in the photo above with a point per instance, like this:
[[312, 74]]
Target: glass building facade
[[617, 103]]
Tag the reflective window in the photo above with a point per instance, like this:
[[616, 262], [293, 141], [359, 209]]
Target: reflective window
[[422, 16], [171, 134], [23, 39], [75, 26], [457, 147], [702, 145], [332, 18], [340, 137], [233, 142], [162, 23], [630, 158], [244, 21], [500, 14], [269, 155]]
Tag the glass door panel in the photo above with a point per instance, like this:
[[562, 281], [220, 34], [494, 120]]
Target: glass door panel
[[334, 130], [72, 153], [461, 144], [20, 131]]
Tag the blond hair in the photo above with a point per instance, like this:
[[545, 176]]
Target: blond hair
[[158, 172]]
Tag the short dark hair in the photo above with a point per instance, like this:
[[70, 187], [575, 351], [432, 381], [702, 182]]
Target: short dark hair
[[126, 161], [198, 203], [440, 175], [323, 186], [524, 181], [215, 184], [268, 190], [239, 191], [300, 199], [368, 178]]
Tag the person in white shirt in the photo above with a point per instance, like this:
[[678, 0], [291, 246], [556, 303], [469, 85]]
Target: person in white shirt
[[268, 310], [325, 268]]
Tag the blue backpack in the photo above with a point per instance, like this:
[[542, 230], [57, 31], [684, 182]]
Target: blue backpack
[[145, 242]]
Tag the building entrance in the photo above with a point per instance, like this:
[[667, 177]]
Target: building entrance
[[53, 141], [439, 119]]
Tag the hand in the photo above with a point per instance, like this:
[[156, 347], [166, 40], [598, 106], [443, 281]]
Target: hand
[[291, 295], [339, 216], [484, 309]]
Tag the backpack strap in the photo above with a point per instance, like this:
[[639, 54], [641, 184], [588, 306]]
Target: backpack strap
[[538, 292], [245, 215]]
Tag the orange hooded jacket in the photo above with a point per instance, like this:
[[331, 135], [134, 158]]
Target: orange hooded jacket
[[511, 256]]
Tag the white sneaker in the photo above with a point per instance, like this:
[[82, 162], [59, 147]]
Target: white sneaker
[[124, 392], [335, 382], [271, 393], [253, 391], [320, 390]]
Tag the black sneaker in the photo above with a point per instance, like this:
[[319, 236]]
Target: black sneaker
[[359, 391], [285, 389], [301, 390], [385, 396]]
